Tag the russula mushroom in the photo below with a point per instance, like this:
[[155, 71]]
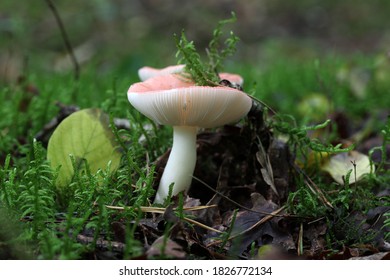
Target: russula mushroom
[[147, 72], [172, 100]]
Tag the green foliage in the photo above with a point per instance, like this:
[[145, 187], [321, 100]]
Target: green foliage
[[299, 139], [179, 212], [11, 245], [304, 203], [382, 175], [54, 218], [7, 179], [215, 52], [387, 224], [225, 237], [344, 231], [383, 148], [194, 66], [36, 191], [206, 74]]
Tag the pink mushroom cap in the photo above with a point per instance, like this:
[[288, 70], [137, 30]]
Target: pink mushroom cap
[[171, 100]]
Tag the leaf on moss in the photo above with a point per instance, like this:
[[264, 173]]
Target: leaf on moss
[[266, 167], [315, 107], [355, 163], [84, 135]]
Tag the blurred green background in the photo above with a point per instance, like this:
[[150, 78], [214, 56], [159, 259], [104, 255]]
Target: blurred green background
[[283, 44], [124, 35]]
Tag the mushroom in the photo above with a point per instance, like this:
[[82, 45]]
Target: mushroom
[[147, 72], [172, 100]]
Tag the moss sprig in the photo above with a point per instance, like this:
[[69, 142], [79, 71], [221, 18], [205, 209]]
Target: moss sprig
[[206, 74], [216, 53], [298, 136]]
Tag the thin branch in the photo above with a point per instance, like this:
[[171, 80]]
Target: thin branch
[[313, 187], [66, 39], [232, 201], [161, 210]]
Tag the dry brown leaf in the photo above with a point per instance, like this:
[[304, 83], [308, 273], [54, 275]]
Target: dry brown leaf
[[266, 168], [166, 247], [377, 256]]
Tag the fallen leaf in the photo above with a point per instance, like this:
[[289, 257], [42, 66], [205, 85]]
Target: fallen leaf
[[377, 256], [165, 247], [266, 233], [266, 168], [86, 136], [341, 164], [315, 106]]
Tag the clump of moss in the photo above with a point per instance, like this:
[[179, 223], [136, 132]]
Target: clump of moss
[[206, 74]]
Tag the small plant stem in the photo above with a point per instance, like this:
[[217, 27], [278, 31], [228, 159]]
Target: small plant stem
[[300, 240], [354, 171], [66, 39], [228, 233]]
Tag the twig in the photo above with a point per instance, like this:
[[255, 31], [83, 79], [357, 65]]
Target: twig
[[313, 187], [66, 39], [191, 221], [160, 210], [232, 201]]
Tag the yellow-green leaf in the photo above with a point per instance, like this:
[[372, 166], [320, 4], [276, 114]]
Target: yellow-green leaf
[[315, 107], [339, 165], [84, 135]]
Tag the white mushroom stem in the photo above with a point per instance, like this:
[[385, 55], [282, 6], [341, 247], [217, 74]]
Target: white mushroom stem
[[181, 163]]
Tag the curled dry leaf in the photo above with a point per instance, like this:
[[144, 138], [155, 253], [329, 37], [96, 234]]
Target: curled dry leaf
[[339, 165], [266, 168]]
